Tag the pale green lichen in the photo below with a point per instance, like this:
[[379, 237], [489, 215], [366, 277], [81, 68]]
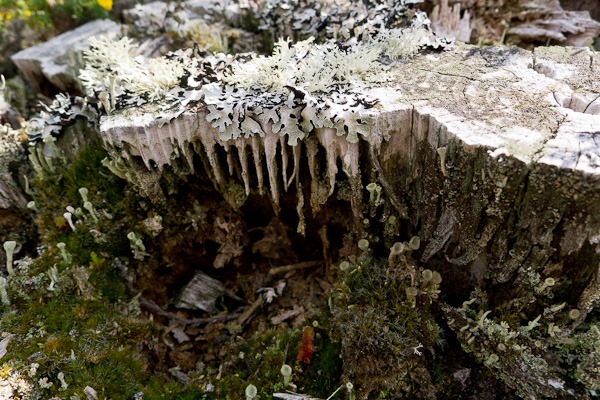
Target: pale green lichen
[[535, 359], [306, 86], [111, 68]]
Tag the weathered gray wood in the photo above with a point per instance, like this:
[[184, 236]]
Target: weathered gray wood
[[520, 181], [48, 63], [202, 292], [523, 21]]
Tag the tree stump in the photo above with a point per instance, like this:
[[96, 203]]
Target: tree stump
[[490, 155], [466, 186]]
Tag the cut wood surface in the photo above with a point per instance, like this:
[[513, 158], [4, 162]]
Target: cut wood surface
[[493, 153]]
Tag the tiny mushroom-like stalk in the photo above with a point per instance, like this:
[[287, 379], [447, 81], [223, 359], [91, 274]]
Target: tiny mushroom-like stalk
[[10, 247], [27, 186], [3, 292], [371, 188], [363, 244], [344, 266], [286, 371], [69, 217], [396, 250], [548, 282], [251, 392], [31, 205], [492, 359], [427, 275], [88, 206], [76, 212], [574, 313], [136, 242], [53, 275], [392, 220], [84, 194], [350, 389], [378, 190], [414, 243], [64, 254], [140, 245], [411, 295]]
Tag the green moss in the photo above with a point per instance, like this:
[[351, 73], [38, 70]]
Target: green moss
[[47, 17], [386, 335], [258, 361], [322, 376], [87, 171], [91, 342], [106, 278]]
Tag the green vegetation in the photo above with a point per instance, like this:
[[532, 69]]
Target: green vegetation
[[77, 320], [258, 361], [70, 312], [384, 316], [45, 15]]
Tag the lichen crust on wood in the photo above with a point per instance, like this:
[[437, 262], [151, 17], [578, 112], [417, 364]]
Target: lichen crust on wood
[[461, 141]]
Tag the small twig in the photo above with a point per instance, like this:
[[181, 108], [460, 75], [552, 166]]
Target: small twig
[[294, 267], [325, 242], [333, 394], [250, 310], [126, 277]]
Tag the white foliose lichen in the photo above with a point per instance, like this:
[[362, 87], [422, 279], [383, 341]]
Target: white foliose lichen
[[306, 86], [303, 86], [300, 87], [111, 68]]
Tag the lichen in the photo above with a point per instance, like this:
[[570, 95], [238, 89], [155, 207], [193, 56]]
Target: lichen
[[536, 358], [382, 310], [111, 69]]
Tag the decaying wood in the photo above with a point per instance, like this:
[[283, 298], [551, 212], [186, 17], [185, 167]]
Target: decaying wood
[[287, 314], [523, 22], [294, 267], [249, 311], [154, 308], [11, 194], [447, 21], [493, 153], [202, 292], [192, 322]]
